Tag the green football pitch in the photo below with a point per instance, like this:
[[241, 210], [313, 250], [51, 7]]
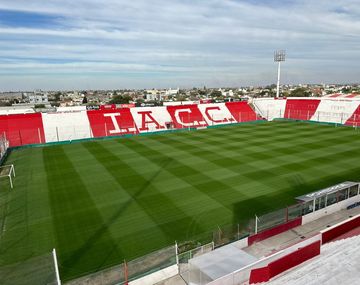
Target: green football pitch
[[100, 202]]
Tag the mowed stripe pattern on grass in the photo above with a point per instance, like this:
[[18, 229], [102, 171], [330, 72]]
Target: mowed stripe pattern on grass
[[102, 202]]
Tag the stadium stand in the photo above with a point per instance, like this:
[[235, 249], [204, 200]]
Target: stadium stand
[[36, 128], [216, 114], [21, 129], [111, 122], [334, 111], [329, 109], [66, 126], [354, 120], [270, 108], [241, 111], [301, 109], [325, 268], [150, 119], [188, 116]]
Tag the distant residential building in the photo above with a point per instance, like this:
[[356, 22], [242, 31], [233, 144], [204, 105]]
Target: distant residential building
[[38, 97], [151, 97], [228, 93], [172, 92]]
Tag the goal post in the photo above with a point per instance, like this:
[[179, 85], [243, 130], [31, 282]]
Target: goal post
[[8, 171]]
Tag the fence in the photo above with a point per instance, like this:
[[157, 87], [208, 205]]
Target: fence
[[278, 217], [341, 118], [40, 270], [127, 271], [183, 258]]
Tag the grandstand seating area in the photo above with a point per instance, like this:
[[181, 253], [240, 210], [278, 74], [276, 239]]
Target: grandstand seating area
[[301, 109], [66, 126], [325, 268], [331, 110], [35, 128]]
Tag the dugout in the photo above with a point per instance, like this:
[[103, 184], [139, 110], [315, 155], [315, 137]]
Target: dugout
[[217, 264], [323, 198]]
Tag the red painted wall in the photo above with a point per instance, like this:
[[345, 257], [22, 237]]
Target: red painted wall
[[275, 231], [335, 232]]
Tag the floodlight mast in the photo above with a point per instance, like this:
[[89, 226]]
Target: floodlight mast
[[279, 56]]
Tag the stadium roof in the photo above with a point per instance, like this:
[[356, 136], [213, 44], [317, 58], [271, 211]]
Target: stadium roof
[[326, 191]]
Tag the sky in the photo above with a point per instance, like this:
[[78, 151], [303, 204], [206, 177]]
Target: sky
[[117, 44]]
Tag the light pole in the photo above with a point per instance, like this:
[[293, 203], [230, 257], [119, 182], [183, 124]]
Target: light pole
[[279, 56]]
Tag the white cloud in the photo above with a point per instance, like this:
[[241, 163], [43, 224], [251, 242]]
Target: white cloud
[[182, 42]]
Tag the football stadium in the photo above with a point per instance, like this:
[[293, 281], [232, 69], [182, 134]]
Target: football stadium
[[121, 193]]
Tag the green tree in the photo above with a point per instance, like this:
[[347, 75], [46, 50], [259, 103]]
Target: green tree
[[57, 96], [85, 100], [300, 92], [119, 99], [216, 93]]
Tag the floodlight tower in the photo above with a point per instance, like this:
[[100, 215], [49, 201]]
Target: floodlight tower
[[279, 56]]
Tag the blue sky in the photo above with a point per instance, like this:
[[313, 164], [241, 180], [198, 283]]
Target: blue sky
[[109, 44]]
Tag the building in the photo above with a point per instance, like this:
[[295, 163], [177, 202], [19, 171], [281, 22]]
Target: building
[[172, 92], [38, 97]]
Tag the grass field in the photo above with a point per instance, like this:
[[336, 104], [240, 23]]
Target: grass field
[[103, 201]]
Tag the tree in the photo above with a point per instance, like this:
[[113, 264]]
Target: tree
[[85, 100], [57, 96], [119, 99], [216, 93], [138, 102], [300, 92]]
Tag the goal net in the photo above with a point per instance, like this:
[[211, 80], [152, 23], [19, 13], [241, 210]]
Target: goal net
[[4, 145], [8, 171]]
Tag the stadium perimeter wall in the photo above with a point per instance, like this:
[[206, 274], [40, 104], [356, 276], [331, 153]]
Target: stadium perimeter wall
[[39, 128]]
